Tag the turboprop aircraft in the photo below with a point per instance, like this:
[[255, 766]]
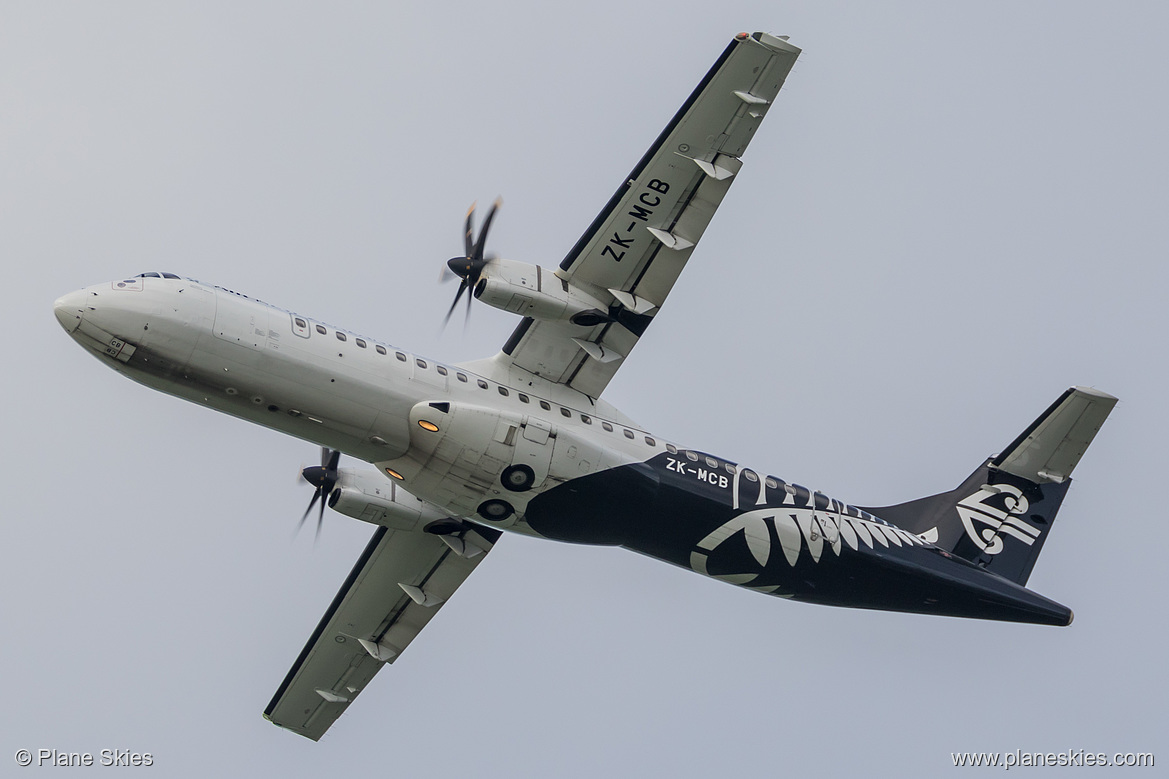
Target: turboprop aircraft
[[523, 442]]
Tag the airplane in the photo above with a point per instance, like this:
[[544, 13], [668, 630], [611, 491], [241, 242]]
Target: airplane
[[523, 441]]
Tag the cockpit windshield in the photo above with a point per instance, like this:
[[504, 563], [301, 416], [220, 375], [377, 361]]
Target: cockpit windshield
[[153, 275]]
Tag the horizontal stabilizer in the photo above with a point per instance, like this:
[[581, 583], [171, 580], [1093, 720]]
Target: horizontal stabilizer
[[1049, 449]]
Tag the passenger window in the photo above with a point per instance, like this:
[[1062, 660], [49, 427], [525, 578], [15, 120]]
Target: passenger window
[[565, 412], [671, 449], [360, 343], [461, 377], [380, 349], [503, 391], [713, 463], [545, 405], [586, 419], [607, 426], [420, 362], [729, 468], [321, 329], [523, 398], [750, 475], [771, 483], [340, 336], [300, 322], [441, 370], [629, 434], [691, 456], [650, 441], [400, 356], [482, 384]]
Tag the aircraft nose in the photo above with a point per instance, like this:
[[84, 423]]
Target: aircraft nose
[[68, 310]]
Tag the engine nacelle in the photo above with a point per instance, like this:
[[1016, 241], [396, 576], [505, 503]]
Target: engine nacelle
[[529, 290], [373, 498]]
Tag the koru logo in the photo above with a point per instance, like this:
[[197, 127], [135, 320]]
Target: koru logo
[[998, 508]]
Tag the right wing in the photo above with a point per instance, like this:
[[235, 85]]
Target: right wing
[[400, 581], [637, 246]]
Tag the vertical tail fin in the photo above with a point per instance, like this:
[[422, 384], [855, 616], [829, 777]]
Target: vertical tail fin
[[1001, 514]]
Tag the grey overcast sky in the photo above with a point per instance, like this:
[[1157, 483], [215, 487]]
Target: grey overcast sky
[[954, 212]]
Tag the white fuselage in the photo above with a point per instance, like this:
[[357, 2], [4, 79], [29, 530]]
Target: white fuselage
[[295, 374]]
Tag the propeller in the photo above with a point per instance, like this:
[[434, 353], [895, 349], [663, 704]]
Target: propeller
[[324, 478], [470, 267]]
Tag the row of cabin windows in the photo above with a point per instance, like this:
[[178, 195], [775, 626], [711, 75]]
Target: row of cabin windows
[[771, 482], [442, 371], [567, 413], [342, 337], [801, 493], [713, 463]]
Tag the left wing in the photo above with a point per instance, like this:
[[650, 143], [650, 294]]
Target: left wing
[[634, 250], [400, 581]]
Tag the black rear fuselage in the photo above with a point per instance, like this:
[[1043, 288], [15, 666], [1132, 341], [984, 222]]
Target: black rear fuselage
[[758, 532]]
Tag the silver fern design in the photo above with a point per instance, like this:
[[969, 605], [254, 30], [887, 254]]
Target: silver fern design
[[800, 532]]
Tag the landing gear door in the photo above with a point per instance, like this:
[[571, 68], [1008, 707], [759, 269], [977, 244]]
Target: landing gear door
[[534, 448]]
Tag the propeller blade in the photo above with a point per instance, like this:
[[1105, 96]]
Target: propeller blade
[[462, 286], [467, 316], [470, 267], [311, 503], [320, 521], [324, 477], [477, 254], [469, 231]]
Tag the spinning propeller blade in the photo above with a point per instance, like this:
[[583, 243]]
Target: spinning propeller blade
[[470, 267], [324, 478]]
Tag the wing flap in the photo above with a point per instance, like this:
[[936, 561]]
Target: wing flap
[[371, 614]]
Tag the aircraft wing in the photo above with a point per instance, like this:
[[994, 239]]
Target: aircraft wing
[[634, 250], [372, 621]]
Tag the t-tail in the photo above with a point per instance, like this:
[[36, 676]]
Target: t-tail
[[1001, 514]]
